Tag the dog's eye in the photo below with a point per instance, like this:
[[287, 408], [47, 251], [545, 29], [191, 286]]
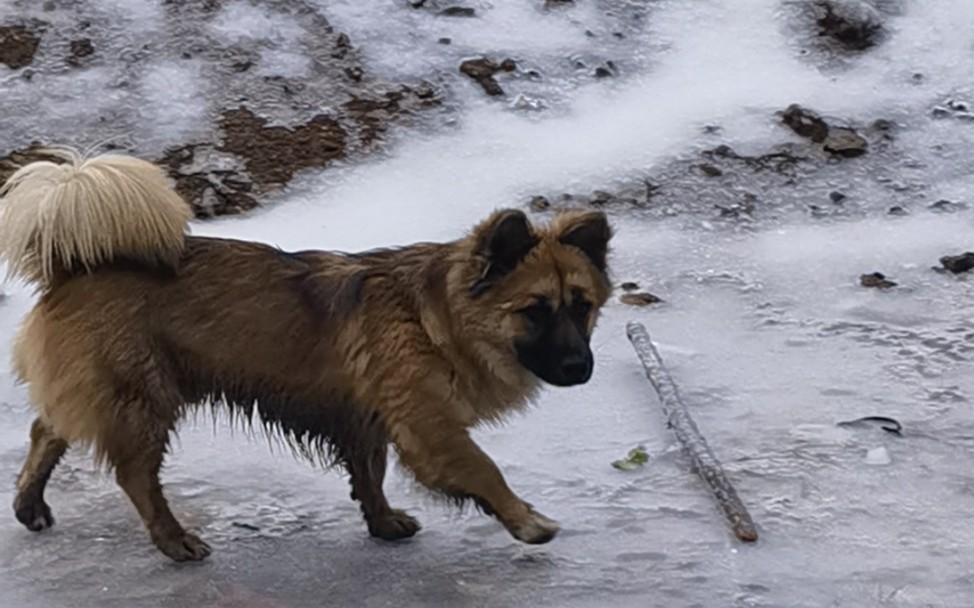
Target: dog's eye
[[538, 312], [581, 306]]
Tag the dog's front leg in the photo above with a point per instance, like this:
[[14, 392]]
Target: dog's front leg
[[444, 458]]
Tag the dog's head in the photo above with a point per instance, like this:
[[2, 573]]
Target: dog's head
[[538, 290]]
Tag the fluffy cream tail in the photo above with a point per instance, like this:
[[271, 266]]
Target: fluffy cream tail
[[56, 219]]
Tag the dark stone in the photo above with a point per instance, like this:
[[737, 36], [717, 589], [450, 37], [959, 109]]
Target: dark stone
[[805, 123], [958, 263], [836, 197], [710, 170], [876, 280], [629, 286], [17, 46], [482, 71], [445, 40], [897, 210], [458, 11], [845, 142], [80, 49], [641, 298]]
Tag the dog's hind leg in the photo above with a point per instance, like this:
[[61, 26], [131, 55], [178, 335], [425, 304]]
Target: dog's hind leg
[[46, 450], [135, 447], [366, 463]]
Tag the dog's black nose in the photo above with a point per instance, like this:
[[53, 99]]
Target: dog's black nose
[[576, 368]]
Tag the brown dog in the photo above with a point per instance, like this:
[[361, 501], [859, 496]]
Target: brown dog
[[341, 353]]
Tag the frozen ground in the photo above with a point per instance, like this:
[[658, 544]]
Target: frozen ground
[[764, 327]]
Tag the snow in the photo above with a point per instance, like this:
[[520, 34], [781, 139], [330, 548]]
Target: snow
[[766, 331]]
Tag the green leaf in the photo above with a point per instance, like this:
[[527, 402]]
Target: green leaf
[[636, 458]]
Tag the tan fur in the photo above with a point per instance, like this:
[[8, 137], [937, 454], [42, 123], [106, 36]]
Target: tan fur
[[87, 211], [340, 353]]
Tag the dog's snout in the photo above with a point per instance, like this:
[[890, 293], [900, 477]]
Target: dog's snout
[[577, 368]]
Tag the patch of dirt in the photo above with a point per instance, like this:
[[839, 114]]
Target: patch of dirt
[[854, 24], [214, 182], [18, 158], [260, 119], [18, 44], [273, 154]]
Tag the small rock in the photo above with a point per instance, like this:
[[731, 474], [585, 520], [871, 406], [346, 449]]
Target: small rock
[[458, 11], [79, 49], [710, 170], [876, 280], [641, 298], [601, 197], [897, 211], [845, 142], [878, 457], [445, 40], [836, 197], [557, 3], [629, 286], [946, 206], [539, 203], [958, 263], [805, 123]]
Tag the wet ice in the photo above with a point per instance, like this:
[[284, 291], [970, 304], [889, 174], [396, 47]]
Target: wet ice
[[765, 329]]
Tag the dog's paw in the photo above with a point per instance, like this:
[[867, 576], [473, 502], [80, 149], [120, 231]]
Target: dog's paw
[[183, 547], [33, 512], [536, 529], [395, 525]]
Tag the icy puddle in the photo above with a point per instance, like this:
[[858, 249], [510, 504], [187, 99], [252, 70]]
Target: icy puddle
[[764, 326]]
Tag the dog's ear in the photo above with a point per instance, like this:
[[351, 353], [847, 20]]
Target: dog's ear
[[501, 242], [590, 232]]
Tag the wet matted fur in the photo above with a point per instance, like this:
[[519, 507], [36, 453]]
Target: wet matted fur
[[342, 354]]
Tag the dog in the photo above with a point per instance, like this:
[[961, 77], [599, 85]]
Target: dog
[[137, 322]]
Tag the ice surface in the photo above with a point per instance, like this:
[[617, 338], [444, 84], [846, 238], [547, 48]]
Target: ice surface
[[766, 330]]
